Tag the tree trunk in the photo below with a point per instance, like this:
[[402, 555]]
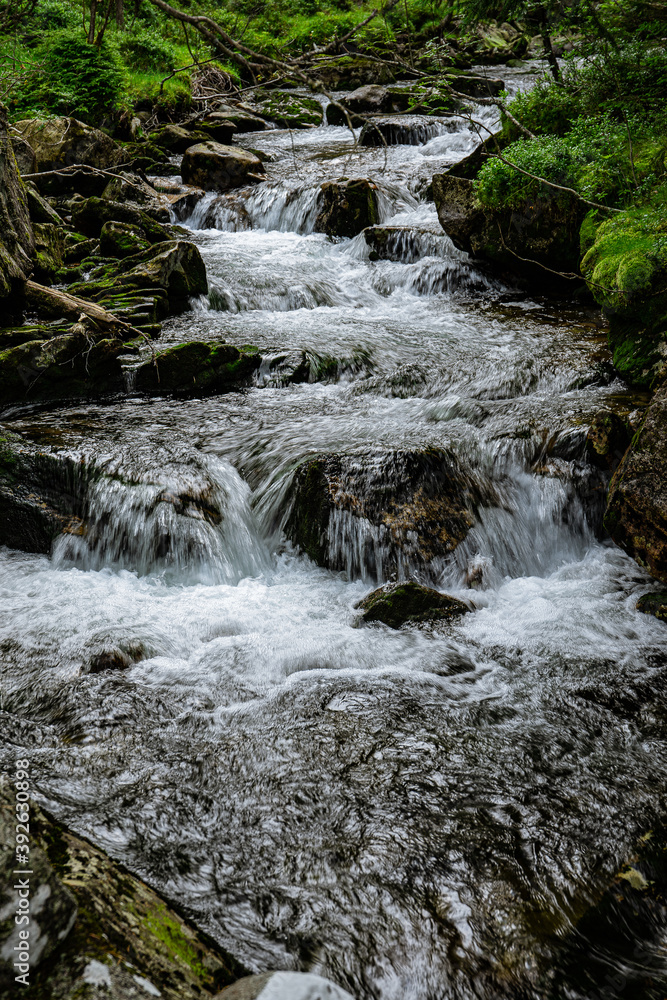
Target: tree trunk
[[551, 55], [120, 14], [91, 26]]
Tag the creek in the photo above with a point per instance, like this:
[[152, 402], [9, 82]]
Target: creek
[[417, 814]]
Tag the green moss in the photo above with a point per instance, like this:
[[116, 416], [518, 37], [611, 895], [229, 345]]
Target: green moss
[[169, 932]]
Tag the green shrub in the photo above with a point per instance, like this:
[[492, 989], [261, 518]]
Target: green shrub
[[146, 50], [547, 108], [52, 15], [633, 77], [71, 77]]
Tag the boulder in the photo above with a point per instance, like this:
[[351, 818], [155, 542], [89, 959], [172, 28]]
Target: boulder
[[383, 513], [654, 604], [90, 214], [111, 935], [533, 241], [636, 515], [346, 207], [24, 154], [198, 367], [475, 86], [39, 208], [370, 99], [212, 166], [400, 130], [119, 239], [350, 71], [221, 125], [61, 142], [70, 366], [176, 139], [292, 111], [16, 239], [398, 604], [132, 189]]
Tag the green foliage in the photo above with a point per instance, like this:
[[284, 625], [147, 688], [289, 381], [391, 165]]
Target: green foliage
[[70, 77], [547, 108], [628, 253], [147, 50], [631, 78]]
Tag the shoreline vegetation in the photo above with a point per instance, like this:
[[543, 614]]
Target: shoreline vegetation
[[102, 105]]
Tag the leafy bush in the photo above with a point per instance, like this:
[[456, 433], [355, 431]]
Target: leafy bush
[[146, 50], [632, 77], [72, 77], [52, 15], [545, 108]]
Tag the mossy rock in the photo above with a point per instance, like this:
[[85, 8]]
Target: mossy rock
[[198, 368], [625, 265], [345, 208], [120, 239], [398, 604], [216, 167], [61, 142], [90, 214], [289, 111], [348, 72], [654, 604], [118, 927], [49, 252]]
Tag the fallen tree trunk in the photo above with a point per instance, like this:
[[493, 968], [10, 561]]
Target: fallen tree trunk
[[54, 303]]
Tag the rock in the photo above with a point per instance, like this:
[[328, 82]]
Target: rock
[[39, 208], [90, 214], [215, 167], [409, 603], [370, 99], [65, 367], [383, 513], [24, 154], [49, 252], [284, 986], [624, 264], [403, 130], [608, 439], [61, 142], [533, 241], [346, 207], [654, 604], [124, 940], [636, 515], [16, 240], [119, 239], [198, 367], [289, 111], [177, 139], [131, 188], [50, 906], [222, 124], [41, 496]]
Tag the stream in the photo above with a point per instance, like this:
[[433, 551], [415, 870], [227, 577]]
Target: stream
[[421, 814]]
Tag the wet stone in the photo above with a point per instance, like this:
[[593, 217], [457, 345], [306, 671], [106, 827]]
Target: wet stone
[[346, 207], [654, 604], [215, 167], [398, 604]]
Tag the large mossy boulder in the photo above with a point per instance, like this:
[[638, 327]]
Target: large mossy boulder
[[636, 515], [215, 167], [70, 366], [409, 603], [292, 110], [90, 214], [16, 239], [654, 604], [221, 124], [383, 513], [534, 240], [346, 207], [625, 265], [95, 929], [62, 142], [198, 368]]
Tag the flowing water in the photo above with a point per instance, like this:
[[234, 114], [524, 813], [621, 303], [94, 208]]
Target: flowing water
[[418, 814]]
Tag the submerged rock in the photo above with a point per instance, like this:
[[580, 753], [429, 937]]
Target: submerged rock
[[61, 142], [215, 167], [95, 929], [346, 207], [198, 367], [383, 513], [636, 515], [654, 604], [400, 130], [398, 604]]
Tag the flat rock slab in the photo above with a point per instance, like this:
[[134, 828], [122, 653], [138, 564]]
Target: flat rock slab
[[284, 986]]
